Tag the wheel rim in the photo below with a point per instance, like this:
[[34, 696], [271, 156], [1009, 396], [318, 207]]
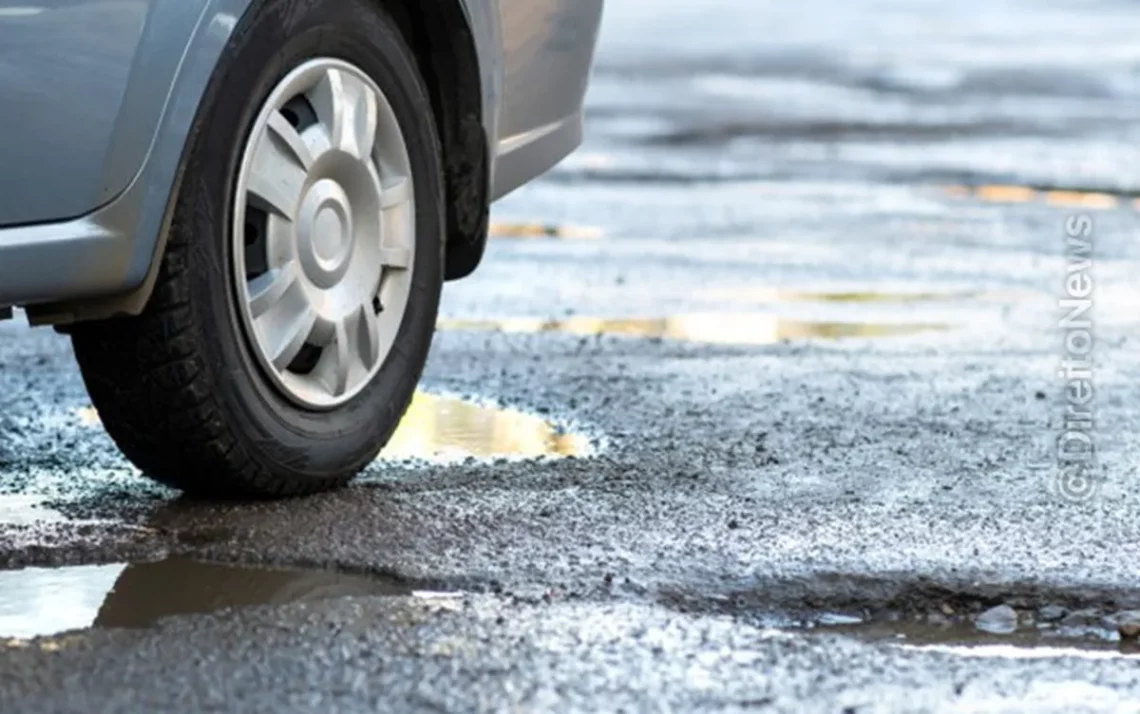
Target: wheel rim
[[324, 233]]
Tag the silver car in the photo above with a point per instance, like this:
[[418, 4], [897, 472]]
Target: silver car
[[243, 211]]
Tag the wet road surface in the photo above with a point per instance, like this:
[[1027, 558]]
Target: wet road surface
[[752, 406]]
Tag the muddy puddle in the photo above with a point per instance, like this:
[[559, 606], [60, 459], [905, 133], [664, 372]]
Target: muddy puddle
[[447, 429], [39, 601], [711, 328], [964, 638]]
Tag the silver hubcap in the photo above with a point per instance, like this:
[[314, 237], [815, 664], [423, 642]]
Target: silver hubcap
[[324, 233]]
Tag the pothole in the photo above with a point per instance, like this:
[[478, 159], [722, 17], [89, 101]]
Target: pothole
[[40, 601], [711, 328], [1048, 631], [964, 637], [447, 429], [976, 619]]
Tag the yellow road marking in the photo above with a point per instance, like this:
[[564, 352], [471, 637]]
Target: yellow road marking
[[1008, 193], [544, 230], [1005, 194], [1081, 198]]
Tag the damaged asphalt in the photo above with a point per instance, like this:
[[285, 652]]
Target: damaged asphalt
[[743, 488]]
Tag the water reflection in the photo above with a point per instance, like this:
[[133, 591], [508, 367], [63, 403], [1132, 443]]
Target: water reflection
[[446, 429], [724, 328], [440, 428], [42, 601], [48, 601]]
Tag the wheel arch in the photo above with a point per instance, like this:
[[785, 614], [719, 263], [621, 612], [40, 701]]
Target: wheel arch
[[446, 37]]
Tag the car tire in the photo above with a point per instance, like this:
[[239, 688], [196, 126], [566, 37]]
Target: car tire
[[188, 389]]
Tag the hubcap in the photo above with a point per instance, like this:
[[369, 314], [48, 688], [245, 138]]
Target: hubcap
[[324, 233]]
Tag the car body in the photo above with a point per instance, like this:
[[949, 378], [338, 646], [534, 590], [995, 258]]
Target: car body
[[99, 97]]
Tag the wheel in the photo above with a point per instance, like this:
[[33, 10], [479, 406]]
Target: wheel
[[297, 297]]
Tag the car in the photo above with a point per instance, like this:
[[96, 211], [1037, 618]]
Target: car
[[243, 211]]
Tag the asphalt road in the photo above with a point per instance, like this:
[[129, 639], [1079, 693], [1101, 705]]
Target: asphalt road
[[829, 243]]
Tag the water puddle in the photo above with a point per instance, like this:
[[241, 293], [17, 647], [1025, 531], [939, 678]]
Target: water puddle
[[446, 429], [39, 601], [963, 638], [711, 328]]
